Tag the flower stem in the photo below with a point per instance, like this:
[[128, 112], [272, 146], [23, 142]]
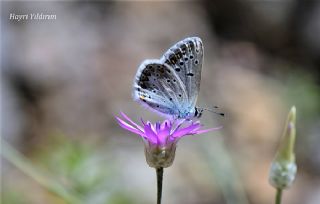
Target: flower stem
[[159, 184], [278, 196]]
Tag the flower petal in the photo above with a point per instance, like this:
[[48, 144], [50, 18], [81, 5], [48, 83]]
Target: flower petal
[[126, 126], [185, 131], [133, 123], [153, 127], [177, 125], [151, 135], [164, 131], [206, 130], [157, 126]]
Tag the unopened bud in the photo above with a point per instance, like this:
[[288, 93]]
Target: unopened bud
[[283, 168]]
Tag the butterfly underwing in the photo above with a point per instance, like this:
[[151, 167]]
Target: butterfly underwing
[[170, 85]]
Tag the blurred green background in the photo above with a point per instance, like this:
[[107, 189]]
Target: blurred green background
[[64, 80]]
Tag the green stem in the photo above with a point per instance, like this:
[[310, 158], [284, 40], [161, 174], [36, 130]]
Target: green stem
[[159, 184], [278, 196]]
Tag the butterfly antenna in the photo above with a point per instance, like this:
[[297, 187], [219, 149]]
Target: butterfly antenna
[[213, 111]]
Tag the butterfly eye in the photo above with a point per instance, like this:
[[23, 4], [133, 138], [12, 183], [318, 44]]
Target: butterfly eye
[[177, 69], [191, 56], [196, 61], [181, 63]]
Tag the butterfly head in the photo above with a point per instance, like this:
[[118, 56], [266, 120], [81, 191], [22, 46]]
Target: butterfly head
[[198, 112]]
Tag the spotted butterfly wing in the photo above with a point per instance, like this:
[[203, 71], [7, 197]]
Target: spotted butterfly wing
[[170, 85], [186, 58]]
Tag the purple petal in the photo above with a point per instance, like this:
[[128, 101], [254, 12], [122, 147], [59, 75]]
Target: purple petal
[[151, 135], [165, 124], [133, 123], [126, 126], [157, 127], [206, 130], [143, 122], [184, 131], [164, 132], [153, 127], [179, 123]]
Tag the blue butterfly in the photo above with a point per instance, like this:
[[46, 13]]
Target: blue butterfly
[[170, 85]]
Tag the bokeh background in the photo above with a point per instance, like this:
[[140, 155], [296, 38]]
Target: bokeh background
[[64, 80]]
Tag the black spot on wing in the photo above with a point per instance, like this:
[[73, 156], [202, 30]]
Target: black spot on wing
[[178, 54], [173, 58]]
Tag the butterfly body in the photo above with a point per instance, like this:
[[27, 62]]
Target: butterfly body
[[170, 85]]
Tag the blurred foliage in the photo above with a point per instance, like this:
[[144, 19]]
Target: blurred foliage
[[224, 170], [10, 196], [77, 166], [299, 87], [84, 173]]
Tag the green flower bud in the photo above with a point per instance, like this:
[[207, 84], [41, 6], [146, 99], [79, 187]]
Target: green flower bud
[[283, 168]]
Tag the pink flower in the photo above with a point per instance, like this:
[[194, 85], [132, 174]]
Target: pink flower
[[161, 138]]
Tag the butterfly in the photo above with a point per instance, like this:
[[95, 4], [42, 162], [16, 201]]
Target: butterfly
[[170, 85]]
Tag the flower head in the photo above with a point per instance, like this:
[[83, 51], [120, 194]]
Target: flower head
[[161, 138]]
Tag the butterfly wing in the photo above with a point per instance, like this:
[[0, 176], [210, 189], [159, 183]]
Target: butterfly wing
[[186, 58], [158, 86]]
